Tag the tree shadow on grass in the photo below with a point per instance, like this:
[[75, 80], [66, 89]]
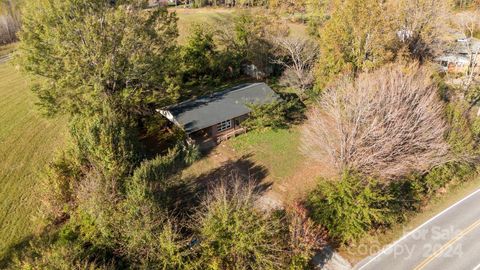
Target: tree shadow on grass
[[14, 250], [189, 192]]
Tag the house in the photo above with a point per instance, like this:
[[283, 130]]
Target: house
[[457, 58], [218, 116], [153, 3], [453, 63]]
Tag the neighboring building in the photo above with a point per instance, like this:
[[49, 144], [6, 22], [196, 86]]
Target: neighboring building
[[153, 3], [254, 72], [457, 58], [217, 117]]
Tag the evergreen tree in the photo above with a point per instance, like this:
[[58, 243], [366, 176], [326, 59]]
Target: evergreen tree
[[89, 52], [350, 207], [358, 37]]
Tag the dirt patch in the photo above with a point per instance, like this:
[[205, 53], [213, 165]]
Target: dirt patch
[[222, 162], [221, 165], [303, 181]]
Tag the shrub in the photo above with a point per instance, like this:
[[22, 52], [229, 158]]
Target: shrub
[[44, 254], [476, 129], [131, 231], [108, 141], [305, 237], [277, 114], [147, 238], [153, 179], [407, 194], [350, 207], [234, 235], [459, 136], [57, 188], [440, 176], [267, 115], [411, 193]]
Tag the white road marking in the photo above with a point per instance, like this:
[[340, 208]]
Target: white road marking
[[476, 267], [410, 233]]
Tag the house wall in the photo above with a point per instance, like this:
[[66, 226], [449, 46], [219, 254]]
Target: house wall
[[213, 131], [453, 67], [153, 3]]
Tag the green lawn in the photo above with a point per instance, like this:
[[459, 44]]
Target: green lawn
[[189, 17], [277, 150], [27, 143], [272, 156]]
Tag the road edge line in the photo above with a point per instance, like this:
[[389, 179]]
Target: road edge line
[[417, 228]]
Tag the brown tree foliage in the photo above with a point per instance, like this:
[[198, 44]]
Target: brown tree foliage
[[306, 236], [9, 21], [387, 123]]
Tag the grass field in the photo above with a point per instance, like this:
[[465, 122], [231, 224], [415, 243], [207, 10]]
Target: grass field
[[276, 150], [188, 17], [216, 16], [27, 143]]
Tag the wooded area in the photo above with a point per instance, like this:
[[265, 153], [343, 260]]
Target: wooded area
[[364, 87]]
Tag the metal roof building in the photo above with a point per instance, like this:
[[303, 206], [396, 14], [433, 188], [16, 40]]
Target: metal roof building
[[209, 111]]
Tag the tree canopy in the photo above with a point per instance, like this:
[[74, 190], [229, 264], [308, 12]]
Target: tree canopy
[[86, 52]]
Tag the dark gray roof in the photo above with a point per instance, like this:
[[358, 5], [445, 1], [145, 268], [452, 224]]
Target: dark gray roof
[[203, 112], [460, 47]]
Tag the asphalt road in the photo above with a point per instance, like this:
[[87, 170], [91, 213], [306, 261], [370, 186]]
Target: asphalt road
[[450, 240]]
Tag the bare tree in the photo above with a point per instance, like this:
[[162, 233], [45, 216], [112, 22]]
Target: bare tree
[[301, 54], [419, 25], [468, 23], [9, 21], [387, 123]]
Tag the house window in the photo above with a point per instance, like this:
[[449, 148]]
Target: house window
[[224, 125]]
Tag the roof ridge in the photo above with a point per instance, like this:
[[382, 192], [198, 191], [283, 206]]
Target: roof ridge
[[228, 90], [232, 89]]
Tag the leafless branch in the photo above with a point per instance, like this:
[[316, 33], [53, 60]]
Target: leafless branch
[[468, 23], [301, 54], [387, 123]]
